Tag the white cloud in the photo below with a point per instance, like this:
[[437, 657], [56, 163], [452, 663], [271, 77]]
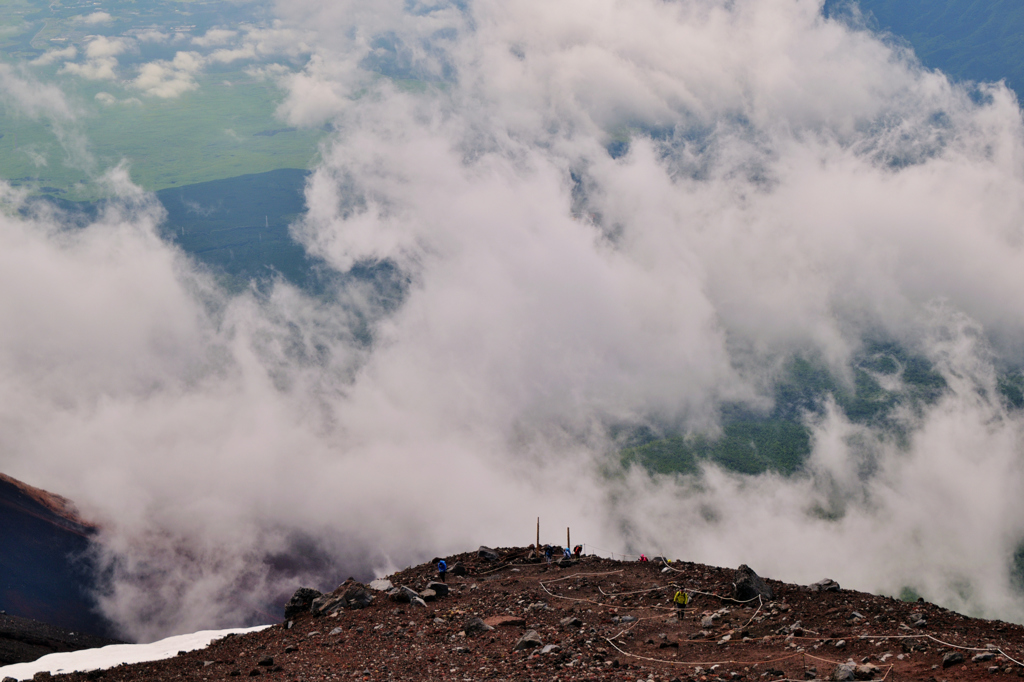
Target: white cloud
[[96, 18], [101, 59], [215, 36], [168, 79], [47, 58], [152, 35], [784, 183]]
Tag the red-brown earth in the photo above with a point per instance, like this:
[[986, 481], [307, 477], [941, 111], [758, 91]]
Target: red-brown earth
[[801, 634]]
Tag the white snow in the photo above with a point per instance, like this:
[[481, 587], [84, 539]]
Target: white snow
[[116, 654]]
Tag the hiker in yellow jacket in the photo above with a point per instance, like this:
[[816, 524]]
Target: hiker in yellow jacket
[[681, 599]]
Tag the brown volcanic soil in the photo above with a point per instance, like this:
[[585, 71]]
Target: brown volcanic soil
[[392, 641]]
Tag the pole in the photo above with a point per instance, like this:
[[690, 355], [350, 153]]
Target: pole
[[538, 534], [568, 544]]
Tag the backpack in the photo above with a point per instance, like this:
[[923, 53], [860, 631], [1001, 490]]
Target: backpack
[[442, 566]]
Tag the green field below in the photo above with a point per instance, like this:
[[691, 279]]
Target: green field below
[[223, 129]]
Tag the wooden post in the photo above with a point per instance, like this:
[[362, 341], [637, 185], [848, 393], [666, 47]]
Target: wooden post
[[538, 535], [568, 545]]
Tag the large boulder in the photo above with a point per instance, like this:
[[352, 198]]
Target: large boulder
[[487, 553], [300, 602], [748, 585], [457, 569]]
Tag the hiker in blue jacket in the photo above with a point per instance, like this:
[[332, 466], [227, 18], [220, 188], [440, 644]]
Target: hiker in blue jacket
[[442, 570]]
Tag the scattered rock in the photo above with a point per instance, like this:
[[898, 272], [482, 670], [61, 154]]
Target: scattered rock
[[866, 671], [570, 622], [843, 673], [476, 626], [952, 658], [498, 621], [300, 602], [825, 585], [748, 585], [550, 649], [356, 596], [487, 553], [529, 640], [380, 585], [457, 569], [266, 662], [440, 589], [428, 595], [982, 657]]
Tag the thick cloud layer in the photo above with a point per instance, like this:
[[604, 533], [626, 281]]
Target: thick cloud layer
[[607, 213]]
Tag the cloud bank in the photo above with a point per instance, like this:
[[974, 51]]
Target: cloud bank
[[603, 213]]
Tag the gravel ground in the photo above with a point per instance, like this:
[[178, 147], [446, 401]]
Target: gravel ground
[[600, 619]]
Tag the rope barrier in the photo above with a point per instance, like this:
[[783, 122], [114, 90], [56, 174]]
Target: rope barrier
[[889, 668]]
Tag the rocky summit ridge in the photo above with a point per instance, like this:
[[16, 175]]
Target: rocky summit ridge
[[509, 614]]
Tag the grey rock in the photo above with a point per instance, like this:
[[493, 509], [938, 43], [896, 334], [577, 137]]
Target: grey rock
[[428, 595], [335, 631], [570, 622], [380, 585], [356, 596], [402, 594], [550, 649], [748, 585], [416, 601], [266, 662], [866, 671], [440, 589], [986, 656], [529, 640], [825, 585], [326, 605], [843, 673], [476, 626], [952, 658], [841, 644], [707, 622], [857, 616], [457, 569], [487, 553], [300, 602]]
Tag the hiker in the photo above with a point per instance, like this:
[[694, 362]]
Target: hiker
[[442, 570], [681, 599], [567, 553], [577, 551], [547, 553], [643, 558]]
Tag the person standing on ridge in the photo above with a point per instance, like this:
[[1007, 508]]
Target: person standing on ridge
[[442, 570]]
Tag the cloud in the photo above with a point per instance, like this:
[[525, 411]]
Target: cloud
[[215, 36], [621, 213], [107, 99], [168, 79], [47, 58], [152, 35], [101, 59], [96, 18]]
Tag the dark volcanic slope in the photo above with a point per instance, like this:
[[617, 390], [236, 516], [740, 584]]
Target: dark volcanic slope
[[43, 574], [585, 611], [23, 640]]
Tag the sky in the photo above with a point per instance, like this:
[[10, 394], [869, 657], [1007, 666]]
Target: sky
[[605, 213]]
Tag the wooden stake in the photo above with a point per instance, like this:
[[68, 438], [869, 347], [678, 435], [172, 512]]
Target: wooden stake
[[538, 535], [568, 545]]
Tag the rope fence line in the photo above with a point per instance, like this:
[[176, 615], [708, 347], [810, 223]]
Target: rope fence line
[[889, 668]]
